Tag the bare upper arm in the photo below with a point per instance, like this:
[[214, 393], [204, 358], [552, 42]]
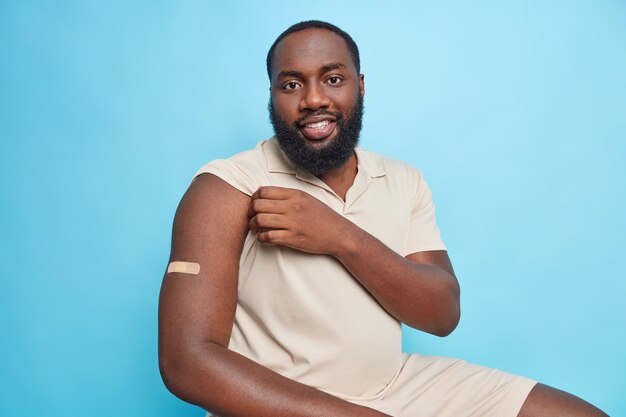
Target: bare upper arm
[[209, 229], [437, 258]]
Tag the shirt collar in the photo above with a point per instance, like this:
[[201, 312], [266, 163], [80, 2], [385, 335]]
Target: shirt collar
[[277, 162], [370, 163], [276, 159]]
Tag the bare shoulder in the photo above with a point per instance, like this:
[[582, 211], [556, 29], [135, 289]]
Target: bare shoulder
[[211, 212], [209, 231]]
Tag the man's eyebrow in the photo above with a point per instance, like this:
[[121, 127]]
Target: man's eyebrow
[[331, 67], [297, 74], [289, 73]]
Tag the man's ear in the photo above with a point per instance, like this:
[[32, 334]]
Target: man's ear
[[362, 84]]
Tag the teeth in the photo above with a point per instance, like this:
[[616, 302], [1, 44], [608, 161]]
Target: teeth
[[318, 125]]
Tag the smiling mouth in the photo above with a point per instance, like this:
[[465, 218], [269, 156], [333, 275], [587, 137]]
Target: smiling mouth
[[318, 130], [317, 125]]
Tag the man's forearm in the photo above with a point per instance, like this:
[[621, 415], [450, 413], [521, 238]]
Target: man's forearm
[[231, 385], [422, 295], [421, 291]]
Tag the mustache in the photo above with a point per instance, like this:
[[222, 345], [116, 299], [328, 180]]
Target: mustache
[[338, 116]]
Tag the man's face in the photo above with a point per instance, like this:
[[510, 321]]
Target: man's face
[[316, 103]]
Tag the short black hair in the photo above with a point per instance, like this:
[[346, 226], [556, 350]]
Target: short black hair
[[315, 24]]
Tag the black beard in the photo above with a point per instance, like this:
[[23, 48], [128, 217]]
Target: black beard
[[319, 161]]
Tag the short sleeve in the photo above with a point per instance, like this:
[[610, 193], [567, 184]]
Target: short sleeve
[[228, 171], [244, 171], [423, 233]]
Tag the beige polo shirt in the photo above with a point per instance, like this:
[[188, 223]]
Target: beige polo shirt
[[304, 315]]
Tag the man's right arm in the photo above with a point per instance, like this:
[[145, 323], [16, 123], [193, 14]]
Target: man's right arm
[[196, 314]]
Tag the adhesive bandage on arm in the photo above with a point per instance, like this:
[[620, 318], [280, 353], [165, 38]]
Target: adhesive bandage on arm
[[184, 267]]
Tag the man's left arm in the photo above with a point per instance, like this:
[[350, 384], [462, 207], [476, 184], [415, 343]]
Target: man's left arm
[[420, 290]]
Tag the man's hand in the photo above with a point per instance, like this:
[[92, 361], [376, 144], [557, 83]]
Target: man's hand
[[419, 290], [294, 218], [197, 312]]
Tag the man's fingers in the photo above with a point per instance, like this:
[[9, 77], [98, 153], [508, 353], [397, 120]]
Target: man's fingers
[[276, 237], [274, 193], [265, 221], [260, 205]]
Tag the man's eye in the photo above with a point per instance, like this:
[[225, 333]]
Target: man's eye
[[291, 85], [334, 80]]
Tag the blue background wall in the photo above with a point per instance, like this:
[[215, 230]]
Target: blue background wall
[[515, 112]]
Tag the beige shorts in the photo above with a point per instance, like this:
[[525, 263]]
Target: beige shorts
[[433, 386]]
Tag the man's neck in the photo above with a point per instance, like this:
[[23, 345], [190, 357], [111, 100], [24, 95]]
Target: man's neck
[[341, 179]]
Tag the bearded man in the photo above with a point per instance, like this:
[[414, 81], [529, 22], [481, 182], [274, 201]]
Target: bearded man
[[293, 265]]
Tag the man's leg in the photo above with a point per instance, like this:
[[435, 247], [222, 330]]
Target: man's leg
[[433, 386], [545, 401]]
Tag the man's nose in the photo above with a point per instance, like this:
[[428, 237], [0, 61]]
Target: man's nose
[[314, 98]]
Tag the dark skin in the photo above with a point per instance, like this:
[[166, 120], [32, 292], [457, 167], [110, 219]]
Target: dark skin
[[312, 70], [196, 314]]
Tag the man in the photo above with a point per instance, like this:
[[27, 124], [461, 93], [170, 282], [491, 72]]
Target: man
[[293, 265]]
